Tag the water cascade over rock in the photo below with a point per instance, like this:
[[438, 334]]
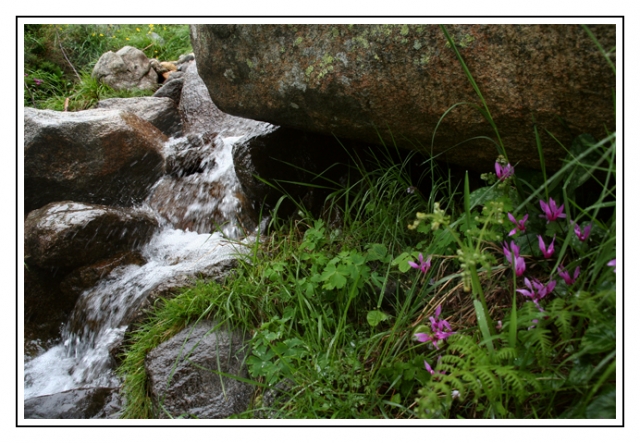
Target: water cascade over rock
[[186, 225]]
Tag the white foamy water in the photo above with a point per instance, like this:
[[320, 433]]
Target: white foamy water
[[101, 314], [200, 196], [83, 359], [220, 176]]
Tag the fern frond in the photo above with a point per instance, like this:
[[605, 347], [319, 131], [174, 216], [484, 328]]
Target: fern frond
[[515, 383], [506, 354], [467, 347], [562, 317], [488, 381]]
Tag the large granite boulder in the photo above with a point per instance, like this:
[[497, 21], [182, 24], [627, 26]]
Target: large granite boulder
[[356, 80], [100, 156], [68, 234], [128, 68], [186, 373]]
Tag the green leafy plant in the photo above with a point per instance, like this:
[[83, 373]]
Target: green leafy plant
[[59, 59], [494, 302]]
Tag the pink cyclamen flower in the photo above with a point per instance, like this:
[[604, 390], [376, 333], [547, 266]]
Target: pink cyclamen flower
[[537, 291], [519, 223], [514, 253], [430, 370], [427, 366], [504, 172], [582, 234], [551, 211], [438, 327], [547, 252], [566, 277], [422, 265], [612, 263]]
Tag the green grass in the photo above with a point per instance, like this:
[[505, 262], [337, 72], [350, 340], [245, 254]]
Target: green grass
[[306, 291], [333, 306], [59, 59]]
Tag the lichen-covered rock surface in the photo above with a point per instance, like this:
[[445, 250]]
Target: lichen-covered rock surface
[[401, 79]]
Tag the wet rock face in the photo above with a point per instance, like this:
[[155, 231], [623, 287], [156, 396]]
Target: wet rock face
[[201, 192], [46, 308], [128, 68], [68, 234], [88, 276], [97, 156], [199, 114], [177, 378], [74, 404], [351, 79], [161, 112]]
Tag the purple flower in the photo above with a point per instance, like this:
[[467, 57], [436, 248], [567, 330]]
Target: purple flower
[[566, 277], [519, 223], [537, 291], [37, 81], [582, 235], [514, 253], [551, 211], [547, 252], [503, 172], [612, 263], [438, 327], [515, 250], [427, 366], [430, 370], [422, 265]]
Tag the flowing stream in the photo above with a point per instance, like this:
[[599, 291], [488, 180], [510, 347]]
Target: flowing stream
[[81, 359]]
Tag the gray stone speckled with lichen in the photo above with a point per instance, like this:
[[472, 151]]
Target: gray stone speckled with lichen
[[350, 79]]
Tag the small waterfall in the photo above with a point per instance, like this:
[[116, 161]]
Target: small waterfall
[[99, 318], [206, 199]]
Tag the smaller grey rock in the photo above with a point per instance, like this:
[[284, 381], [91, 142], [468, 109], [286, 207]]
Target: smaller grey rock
[[182, 378], [129, 68], [186, 58], [172, 88]]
